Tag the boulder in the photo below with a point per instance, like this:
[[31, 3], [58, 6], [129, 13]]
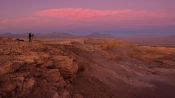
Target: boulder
[[53, 75], [66, 65]]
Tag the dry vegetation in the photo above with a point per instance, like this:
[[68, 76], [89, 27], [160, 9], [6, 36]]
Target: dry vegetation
[[85, 68]]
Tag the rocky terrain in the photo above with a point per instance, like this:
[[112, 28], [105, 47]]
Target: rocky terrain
[[85, 68]]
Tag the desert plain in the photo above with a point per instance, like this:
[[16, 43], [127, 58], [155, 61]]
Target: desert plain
[[85, 68]]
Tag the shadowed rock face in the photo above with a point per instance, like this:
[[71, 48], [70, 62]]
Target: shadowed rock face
[[88, 68]]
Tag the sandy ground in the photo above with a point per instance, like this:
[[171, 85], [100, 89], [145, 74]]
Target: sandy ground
[[85, 68]]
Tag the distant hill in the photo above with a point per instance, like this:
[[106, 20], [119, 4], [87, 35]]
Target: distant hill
[[14, 35], [39, 35], [99, 35], [56, 35], [168, 40]]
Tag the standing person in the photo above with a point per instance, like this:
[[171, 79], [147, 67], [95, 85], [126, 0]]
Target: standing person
[[30, 37]]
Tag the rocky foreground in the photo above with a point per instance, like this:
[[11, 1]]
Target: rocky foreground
[[85, 68]]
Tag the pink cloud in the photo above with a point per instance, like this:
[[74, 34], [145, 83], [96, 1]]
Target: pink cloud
[[79, 17], [91, 14], [80, 13]]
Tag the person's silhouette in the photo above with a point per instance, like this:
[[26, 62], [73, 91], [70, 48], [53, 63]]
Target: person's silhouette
[[30, 37]]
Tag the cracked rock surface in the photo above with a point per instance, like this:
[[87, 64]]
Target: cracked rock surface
[[85, 68]]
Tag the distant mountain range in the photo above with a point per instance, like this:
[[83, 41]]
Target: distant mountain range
[[99, 35], [55, 35], [141, 39], [38, 35], [168, 40], [13, 35]]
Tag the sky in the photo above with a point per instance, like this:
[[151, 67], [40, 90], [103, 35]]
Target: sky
[[123, 17]]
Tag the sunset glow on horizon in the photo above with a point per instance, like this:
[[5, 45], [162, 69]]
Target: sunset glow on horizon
[[138, 16]]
